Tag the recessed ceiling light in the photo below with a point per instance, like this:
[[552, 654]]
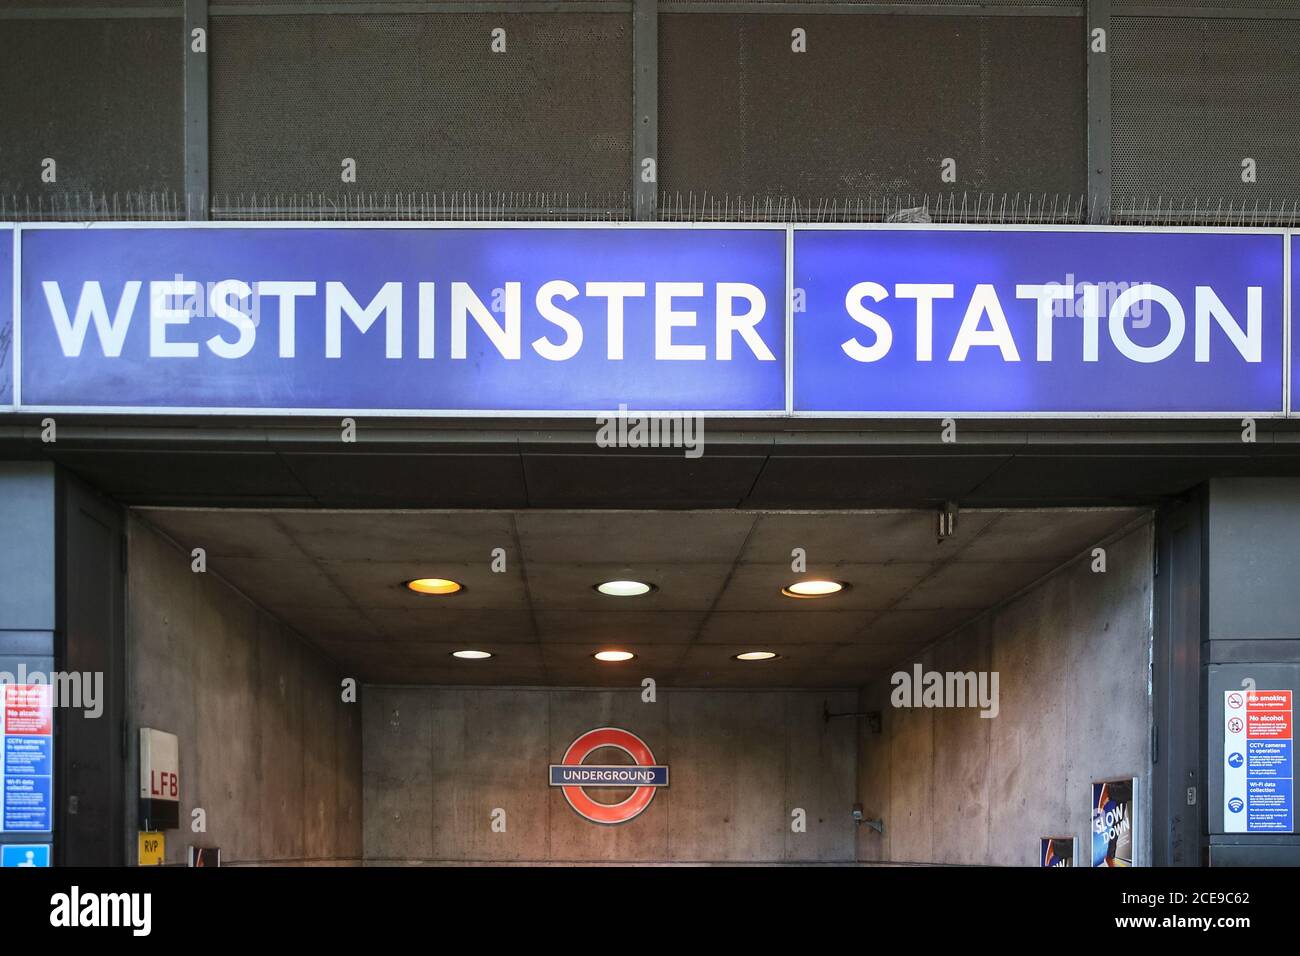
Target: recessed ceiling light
[[613, 655], [756, 656], [812, 589], [472, 655], [625, 588], [435, 586]]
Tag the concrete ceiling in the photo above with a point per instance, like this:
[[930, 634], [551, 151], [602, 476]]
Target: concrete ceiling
[[337, 578]]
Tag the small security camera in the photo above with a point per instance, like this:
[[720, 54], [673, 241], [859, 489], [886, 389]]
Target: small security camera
[[857, 812]]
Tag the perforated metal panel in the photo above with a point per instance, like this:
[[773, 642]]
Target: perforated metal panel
[[1194, 97], [421, 103], [109, 6], [875, 105], [1121, 6], [521, 4], [1023, 4], [100, 97]]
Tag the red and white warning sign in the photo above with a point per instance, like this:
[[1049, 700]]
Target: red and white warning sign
[[29, 709], [160, 780], [27, 763]]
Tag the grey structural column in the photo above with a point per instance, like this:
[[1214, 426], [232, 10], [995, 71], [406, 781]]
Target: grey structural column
[[1098, 60], [1251, 633], [1178, 787], [645, 108], [197, 202], [28, 593], [62, 607], [94, 748]]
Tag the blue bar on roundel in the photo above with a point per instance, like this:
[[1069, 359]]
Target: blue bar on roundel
[[617, 775]]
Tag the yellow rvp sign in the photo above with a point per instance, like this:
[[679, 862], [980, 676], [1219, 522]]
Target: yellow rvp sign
[[152, 848]]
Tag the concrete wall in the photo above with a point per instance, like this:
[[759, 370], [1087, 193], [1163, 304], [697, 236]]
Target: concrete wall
[[1072, 655], [267, 747], [438, 761]]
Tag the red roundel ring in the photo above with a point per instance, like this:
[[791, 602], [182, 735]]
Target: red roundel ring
[[630, 744]]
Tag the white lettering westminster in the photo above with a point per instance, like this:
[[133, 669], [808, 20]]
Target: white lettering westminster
[[735, 308]]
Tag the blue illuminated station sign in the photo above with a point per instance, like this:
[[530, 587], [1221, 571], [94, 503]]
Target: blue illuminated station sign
[[562, 320]]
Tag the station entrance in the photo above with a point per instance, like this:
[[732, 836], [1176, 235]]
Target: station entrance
[[488, 646], [882, 686]]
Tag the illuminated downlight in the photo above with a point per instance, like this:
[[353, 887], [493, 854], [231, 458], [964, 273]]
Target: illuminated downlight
[[812, 589], [612, 656], [756, 656], [472, 655], [624, 588], [435, 586]]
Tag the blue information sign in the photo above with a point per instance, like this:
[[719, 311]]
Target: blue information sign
[[26, 758], [1038, 321], [1258, 762], [28, 755], [452, 319], [562, 320], [27, 803]]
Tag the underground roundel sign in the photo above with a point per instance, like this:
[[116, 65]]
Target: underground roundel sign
[[575, 777]]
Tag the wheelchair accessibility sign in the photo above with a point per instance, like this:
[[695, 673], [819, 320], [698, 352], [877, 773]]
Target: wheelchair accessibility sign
[[25, 855]]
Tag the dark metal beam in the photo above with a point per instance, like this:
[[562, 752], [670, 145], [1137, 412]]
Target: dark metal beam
[[375, 7], [196, 110], [645, 108], [869, 9], [1098, 60], [89, 13], [372, 7]]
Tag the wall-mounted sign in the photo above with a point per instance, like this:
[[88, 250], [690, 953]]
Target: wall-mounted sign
[[1114, 822], [25, 855], [1056, 851], [205, 856], [28, 772], [152, 848], [160, 786], [556, 319], [1034, 321], [1258, 762], [451, 319], [573, 776]]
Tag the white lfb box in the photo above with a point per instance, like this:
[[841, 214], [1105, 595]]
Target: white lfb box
[[160, 780]]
